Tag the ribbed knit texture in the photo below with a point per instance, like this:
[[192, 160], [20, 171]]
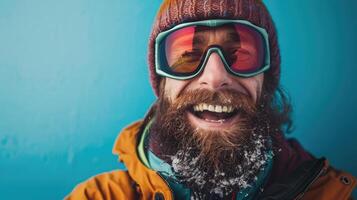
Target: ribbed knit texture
[[174, 12]]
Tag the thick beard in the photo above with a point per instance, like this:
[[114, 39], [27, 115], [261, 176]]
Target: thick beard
[[212, 163]]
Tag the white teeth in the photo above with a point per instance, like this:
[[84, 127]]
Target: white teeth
[[213, 108], [224, 109], [204, 106], [218, 109], [195, 108], [231, 109]]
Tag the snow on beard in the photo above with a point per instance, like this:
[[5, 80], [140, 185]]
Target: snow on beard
[[210, 162]]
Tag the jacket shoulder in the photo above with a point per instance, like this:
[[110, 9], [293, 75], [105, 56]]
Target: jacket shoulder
[[110, 185], [332, 184]]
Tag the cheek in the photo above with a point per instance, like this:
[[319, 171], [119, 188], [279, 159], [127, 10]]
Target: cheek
[[258, 83], [253, 85], [260, 80], [173, 88]]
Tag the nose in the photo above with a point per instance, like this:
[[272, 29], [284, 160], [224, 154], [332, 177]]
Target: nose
[[214, 75]]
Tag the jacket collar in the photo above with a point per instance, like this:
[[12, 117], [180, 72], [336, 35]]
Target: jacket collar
[[295, 184], [148, 180]]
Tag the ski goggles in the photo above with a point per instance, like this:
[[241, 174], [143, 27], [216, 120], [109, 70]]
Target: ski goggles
[[182, 51]]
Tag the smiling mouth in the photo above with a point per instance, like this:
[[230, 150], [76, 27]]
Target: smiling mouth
[[218, 114]]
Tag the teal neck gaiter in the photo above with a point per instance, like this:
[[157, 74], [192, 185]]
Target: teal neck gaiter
[[153, 162]]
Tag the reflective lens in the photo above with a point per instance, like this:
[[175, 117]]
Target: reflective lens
[[242, 46], [181, 50], [249, 54]]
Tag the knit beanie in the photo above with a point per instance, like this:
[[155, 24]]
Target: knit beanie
[[174, 12]]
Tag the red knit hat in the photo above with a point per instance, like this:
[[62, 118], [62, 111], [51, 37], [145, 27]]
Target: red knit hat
[[174, 12]]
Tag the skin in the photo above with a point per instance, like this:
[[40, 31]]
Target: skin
[[215, 77]]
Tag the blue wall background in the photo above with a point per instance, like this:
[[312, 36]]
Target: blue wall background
[[73, 74]]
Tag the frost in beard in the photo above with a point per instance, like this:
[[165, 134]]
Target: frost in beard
[[187, 170], [219, 182]]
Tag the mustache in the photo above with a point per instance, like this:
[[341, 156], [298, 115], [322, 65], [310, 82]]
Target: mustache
[[225, 97]]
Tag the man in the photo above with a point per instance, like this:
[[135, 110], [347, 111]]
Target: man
[[217, 128]]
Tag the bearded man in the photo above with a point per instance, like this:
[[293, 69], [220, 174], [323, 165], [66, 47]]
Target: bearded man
[[217, 128]]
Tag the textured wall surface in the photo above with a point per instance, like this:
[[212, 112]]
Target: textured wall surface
[[73, 74]]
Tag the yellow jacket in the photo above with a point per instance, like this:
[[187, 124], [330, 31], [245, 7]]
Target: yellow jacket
[[140, 182]]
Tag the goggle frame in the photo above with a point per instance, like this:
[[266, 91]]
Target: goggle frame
[[160, 55]]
